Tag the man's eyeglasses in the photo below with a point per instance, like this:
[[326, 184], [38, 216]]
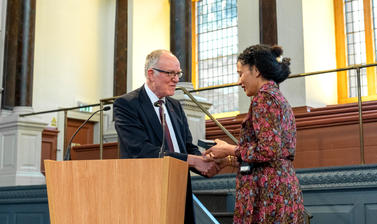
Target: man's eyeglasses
[[170, 74]]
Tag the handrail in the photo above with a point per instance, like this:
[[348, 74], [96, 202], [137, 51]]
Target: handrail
[[187, 92], [58, 110], [332, 70], [208, 88], [203, 211]]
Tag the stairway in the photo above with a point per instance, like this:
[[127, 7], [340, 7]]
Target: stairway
[[217, 194], [219, 203]]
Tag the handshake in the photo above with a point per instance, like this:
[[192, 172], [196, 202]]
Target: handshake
[[213, 159]]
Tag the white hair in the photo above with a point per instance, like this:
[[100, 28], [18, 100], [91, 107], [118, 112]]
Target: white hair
[[152, 59]]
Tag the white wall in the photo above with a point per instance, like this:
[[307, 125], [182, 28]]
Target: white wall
[[248, 34], [290, 37], [74, 44], [149, 29], [307, 38], [319, 49], [74, 50], [73, 53]]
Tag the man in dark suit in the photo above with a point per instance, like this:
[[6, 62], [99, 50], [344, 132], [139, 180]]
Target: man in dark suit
[[138, 124]]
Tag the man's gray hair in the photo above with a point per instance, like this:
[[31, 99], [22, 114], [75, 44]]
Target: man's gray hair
[[152, 59]]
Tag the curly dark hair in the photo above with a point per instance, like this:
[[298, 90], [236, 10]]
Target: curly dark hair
[[265, 58]]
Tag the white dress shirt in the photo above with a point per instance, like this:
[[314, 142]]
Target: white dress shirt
[[153, 98]]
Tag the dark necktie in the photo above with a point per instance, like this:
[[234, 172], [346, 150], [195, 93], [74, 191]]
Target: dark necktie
[[167, 133]]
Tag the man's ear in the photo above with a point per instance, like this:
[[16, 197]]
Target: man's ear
[[150, 74]]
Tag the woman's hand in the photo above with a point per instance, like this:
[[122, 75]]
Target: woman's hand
[[221, 150]]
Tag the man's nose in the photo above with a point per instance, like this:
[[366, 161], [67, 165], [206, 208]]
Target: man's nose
[[175, 78]]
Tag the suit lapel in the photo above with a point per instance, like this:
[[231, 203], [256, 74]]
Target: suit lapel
[[177, 124], [150, 113]]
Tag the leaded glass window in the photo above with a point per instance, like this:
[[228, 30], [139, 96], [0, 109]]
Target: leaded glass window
[[217, 38]]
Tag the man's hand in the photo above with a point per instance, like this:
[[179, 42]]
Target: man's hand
[[223, 162], [207, 167]]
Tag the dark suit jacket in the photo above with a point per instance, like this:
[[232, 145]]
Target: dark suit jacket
[[140, 132]]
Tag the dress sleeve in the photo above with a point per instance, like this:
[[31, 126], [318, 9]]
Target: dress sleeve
[[266, 121]]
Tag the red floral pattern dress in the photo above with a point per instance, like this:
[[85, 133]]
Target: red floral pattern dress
[[271, 193]]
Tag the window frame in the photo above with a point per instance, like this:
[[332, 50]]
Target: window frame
[[195, 60], [341, 52]]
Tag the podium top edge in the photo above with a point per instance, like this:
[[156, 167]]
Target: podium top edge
[[125, 159]]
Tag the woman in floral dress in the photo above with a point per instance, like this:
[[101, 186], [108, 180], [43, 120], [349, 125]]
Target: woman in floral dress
[[267, 189]]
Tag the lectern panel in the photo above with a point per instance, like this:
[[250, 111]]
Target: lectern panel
[[116, 191]]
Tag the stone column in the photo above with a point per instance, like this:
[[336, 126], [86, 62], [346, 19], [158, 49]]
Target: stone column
[[120, 48], [20, 137], [20, 149], [180, 34], [19, 54]]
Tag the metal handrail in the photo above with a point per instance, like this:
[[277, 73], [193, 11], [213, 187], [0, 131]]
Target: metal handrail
[[58, 110], [105, 101], [206, 88], [208, 114]]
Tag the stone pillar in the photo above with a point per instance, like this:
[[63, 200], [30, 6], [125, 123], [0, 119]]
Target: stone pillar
[[110, 134], [20, 137], [195, 116], [120, 48], [19, 54], [180, 34], [20, 149]]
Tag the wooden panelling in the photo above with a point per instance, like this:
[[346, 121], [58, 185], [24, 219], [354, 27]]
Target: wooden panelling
[[117, 191], [335, 146], [49, 145], [85, 135], [91, 151], [327, 136], [232, 124]]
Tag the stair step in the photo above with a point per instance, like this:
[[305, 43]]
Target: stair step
[[221, 202], [214, 202], [223, 217]]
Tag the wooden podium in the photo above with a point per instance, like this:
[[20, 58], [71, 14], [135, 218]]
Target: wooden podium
[[117, 191]]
